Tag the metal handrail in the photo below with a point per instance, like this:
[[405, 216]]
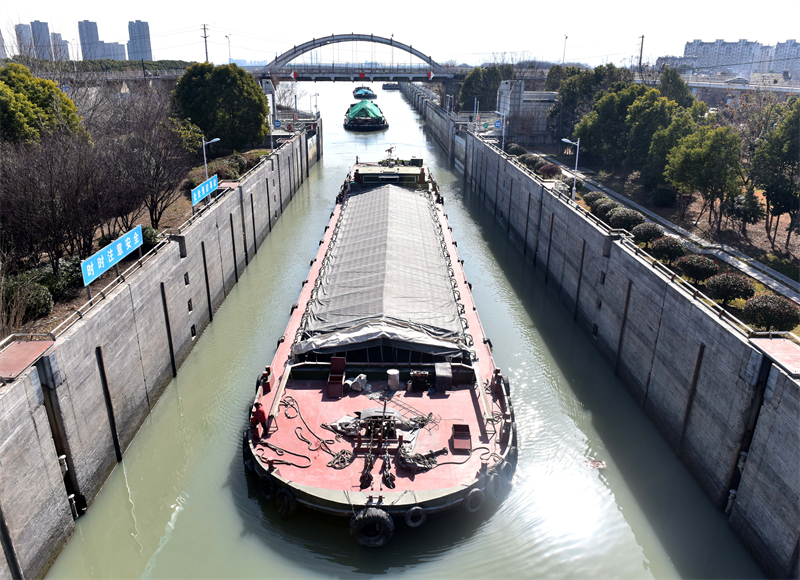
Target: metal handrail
[[28, 336]]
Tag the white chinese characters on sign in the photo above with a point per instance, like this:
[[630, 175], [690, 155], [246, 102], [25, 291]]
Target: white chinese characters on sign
[[94, 266]]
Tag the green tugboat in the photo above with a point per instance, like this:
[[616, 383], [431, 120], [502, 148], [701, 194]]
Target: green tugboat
[[365, 116]]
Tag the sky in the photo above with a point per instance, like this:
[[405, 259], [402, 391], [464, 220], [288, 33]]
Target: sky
[[591, 32]]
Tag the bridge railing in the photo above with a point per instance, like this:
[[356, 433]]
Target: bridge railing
[[356, 68]]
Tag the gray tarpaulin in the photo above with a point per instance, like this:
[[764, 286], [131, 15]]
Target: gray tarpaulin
[[385, 279]]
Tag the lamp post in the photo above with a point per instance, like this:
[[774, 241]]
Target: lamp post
[[204, 152], [315, 95], [574, 175]]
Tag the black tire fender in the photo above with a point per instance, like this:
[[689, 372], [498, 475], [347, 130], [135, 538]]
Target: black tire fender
[[415, 516], [286, 502], [372, 527], [473, 501], [507, 471], [511, 456], [266, 485], [494, 486]]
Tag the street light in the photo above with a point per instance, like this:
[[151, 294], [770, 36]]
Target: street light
[[315, 95], [204, 152], [574, 175]]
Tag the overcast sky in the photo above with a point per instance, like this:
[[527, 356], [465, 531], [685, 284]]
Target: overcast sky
[[465, 31]]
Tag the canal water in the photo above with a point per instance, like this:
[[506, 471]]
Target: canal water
[[180, 504]]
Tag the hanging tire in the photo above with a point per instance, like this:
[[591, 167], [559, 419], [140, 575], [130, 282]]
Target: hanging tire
[[245, 450], [267, 487], [511, 456], [372, 527], [507, 386], [507, 471], [474, 500], [287, 505], [495, 486], [415, 516]]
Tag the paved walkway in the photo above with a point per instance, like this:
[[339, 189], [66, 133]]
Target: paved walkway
[[773, 280]]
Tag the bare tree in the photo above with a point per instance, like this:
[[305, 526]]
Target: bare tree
[[285, 93]]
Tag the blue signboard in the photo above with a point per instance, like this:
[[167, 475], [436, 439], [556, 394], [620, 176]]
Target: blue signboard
[[277, 122], [111, 255], [201, 192], [498, 124]]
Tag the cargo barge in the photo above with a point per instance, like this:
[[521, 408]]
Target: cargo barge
[[365, 116], [382, 403], [364, 93]]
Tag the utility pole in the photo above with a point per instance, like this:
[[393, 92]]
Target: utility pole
[[641, 49], [563, 54], [205, 38], [228, 36]]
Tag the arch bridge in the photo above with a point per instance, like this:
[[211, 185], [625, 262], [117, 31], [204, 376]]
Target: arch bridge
[[282, 65]]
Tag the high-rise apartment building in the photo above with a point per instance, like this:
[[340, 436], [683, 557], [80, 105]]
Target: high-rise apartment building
[[3, 52], [24, 40], [60, 47], [41, 40], [744, 57], [787, 57], [90, 40], [139, 43], [112, 50]]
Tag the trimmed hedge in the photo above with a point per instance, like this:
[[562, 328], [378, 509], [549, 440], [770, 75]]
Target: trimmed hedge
[[591, 197], [529, 160], [539, 164], [602, 209], [667, 249], [647, 232], [624, 218], [550, 171], [663, 197], [729, 286], [514, 149], [698, 268], [772, 312]]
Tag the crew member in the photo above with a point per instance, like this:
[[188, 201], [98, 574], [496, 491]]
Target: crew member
[[259, 417]]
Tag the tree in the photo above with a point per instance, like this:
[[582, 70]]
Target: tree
[[746, 208], [648, 114], [576, 94], [776, 168], [675, 89], [492, 77], [706, 161], [662, 142], [772, 312], [225, 102], [667, 248], [698, 268], [647, 232], [157, 159], [729, 286], [604, 131], [470, 89], [557, 74], [29, 104], [285, 93]]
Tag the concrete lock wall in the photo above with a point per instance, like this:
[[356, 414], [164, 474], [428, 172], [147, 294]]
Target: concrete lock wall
[[695, 377], [89, 395]]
